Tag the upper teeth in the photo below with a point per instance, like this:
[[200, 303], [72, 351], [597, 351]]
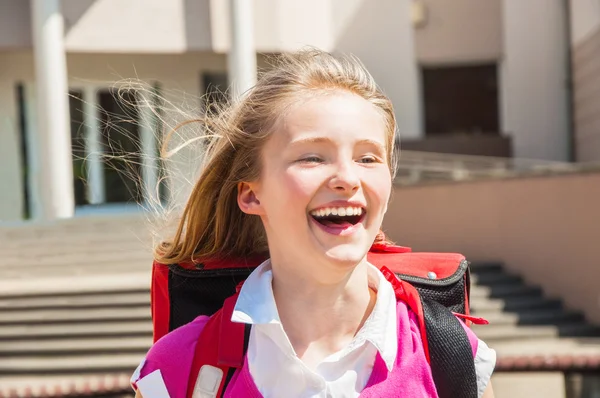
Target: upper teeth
[[337, 211]]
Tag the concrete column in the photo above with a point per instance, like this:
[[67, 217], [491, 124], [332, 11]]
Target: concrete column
[[242, 54], [534, 78], [149, 148], [53, 127], [93, 147]]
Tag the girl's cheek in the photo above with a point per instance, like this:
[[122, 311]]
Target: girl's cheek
[[295, 186], [380, 184]]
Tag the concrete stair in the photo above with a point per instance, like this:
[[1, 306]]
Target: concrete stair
[[520, 315], [74, 305]]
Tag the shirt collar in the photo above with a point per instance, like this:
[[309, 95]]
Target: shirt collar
[[256, 305]]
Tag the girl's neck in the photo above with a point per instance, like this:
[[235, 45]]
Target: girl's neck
[[321, 318]]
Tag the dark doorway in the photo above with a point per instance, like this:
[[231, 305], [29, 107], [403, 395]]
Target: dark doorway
[[78, 147], [121, 144], [22, 120], [461, 99], [214, 88]]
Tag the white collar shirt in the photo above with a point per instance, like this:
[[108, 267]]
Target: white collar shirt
[[276, 369], [278, 372]]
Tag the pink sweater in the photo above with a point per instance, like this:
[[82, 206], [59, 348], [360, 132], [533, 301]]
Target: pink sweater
[[411, 376]]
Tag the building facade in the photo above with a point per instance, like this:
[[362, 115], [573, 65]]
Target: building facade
[[487, 77]]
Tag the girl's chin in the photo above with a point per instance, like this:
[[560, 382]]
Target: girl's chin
[[346, 255]]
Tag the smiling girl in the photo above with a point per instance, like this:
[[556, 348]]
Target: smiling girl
[[301, 169]]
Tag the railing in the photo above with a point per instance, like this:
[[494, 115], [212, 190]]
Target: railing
[[421, 167]]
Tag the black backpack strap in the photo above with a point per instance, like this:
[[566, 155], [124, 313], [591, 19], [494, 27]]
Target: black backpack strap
[[450, 352]]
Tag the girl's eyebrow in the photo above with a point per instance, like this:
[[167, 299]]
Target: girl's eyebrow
[[325, 140]]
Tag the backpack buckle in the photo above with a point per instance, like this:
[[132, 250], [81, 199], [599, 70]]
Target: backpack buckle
[[394, 280], [208, 382]]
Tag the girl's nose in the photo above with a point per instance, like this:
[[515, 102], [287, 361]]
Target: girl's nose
[[345, 178]]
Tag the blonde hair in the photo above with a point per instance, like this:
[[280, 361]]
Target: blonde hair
[[212, 225]]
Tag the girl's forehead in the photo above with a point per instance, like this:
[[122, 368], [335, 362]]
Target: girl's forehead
[[333, 114]]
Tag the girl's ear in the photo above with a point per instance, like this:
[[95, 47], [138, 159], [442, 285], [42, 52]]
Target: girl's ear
[[247, 199]]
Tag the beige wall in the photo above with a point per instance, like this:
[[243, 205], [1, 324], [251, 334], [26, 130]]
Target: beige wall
[[174, 26], [585, 19], [585, 22], [278, 25], [529, 385], [460, 31], [586, 87], [116, 26], [533, 78], [153, 26], [386, 46], [545, 229]]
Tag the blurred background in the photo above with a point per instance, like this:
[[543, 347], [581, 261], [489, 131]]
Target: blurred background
[[498, 104]]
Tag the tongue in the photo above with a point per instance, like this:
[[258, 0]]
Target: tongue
[[340, 224]]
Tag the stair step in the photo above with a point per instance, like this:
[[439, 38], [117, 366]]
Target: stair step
[[512, 332], [71, 363], [490, 333], [549, 346], [76, 284], [74, 301], [539, 317], [57, 242], [478, 268], [97, 266], [501, 291], [64, 385], [128, 328], [36, 317], [495, 278], [514, 304], [104, 344], [65, 257]]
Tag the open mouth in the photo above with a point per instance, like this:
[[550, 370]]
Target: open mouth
[[338, 217]]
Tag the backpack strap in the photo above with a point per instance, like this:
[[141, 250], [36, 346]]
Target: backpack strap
[[451, 355], [221, 345], [160, 302], [445, 342]]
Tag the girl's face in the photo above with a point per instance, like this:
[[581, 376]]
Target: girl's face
[[325, 181]]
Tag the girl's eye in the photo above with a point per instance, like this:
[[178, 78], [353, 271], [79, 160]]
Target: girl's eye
[[311, 159], [368, 159]]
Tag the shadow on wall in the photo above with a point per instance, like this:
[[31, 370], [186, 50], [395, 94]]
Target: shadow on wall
[[74, 10], [198, 32], [15, 20]]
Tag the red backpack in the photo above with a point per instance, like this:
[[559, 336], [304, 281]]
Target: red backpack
[[434, 285]]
